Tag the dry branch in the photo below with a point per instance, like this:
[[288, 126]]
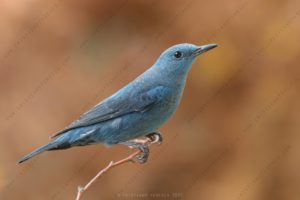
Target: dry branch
[[112, 164]]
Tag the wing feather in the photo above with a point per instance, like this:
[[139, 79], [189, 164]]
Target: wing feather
[[115, 106]]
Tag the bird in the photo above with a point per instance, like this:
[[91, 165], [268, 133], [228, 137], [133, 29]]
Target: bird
[[137, 110]]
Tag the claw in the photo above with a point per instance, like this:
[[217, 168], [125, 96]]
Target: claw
[[155, 137], [143, 157]]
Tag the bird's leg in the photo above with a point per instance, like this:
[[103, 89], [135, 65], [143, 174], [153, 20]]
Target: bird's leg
[[142, 146], [155, 137]]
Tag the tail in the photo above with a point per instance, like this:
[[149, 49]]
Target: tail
[[59, 143], [36, 152]]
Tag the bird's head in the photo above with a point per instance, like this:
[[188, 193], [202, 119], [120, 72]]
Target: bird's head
[[177, 60]]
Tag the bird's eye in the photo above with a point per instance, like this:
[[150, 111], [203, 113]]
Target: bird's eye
[[177, 54]]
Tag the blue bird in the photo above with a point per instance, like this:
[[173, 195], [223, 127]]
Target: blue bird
[[136, 110]]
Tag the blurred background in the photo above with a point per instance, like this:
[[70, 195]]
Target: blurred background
[[234, 136]]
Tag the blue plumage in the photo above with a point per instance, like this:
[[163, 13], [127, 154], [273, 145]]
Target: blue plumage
[[136, 110]]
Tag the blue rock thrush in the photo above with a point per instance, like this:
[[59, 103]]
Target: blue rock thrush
[[136, 110]]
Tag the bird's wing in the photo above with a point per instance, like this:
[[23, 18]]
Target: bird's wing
[[118, 105]]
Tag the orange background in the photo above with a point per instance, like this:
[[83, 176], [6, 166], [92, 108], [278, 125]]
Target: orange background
[[234, 136]]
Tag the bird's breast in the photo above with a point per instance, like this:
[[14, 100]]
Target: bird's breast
[[168, 105]]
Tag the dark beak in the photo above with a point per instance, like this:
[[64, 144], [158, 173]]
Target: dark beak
[[203, 49]]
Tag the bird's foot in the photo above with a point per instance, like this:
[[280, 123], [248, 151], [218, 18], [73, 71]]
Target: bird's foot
[[142, 146], [144, 155]]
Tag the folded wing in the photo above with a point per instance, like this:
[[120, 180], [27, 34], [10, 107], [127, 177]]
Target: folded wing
[[122, 103]]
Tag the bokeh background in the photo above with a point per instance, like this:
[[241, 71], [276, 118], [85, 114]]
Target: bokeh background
[[234, 136]]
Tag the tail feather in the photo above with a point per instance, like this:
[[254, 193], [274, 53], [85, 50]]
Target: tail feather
[[62, 142], [46, 147]]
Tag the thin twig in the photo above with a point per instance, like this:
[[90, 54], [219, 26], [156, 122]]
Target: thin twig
[[112, 164]]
